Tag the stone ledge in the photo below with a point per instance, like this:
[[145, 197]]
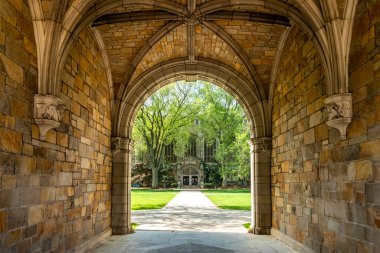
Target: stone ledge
[[296, 245], [93, 241]]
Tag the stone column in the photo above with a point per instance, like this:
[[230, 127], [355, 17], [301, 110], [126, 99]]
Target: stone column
[[261, 209], [121, 186]]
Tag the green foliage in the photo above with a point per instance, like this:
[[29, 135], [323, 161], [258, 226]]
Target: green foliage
[[224, 120], [240, 147], [162, 119], [134, 225], [208, 185], [169, 116], [166, 176], [141, 175], [212, 175]]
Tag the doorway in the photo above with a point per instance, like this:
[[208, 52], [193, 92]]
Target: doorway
[[185, 180]]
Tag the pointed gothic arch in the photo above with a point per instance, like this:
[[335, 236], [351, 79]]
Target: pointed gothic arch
[[218, 74]]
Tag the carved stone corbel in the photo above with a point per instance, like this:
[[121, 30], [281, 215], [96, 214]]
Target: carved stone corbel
[[48, 112], [261, 144], [120, 143], [339, 110]]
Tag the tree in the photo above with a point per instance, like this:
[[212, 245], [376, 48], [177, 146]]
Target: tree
[[162, 119], [175, 114], [241, 149], [224, 120]]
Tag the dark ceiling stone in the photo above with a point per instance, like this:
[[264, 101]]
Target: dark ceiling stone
[[218, 15]]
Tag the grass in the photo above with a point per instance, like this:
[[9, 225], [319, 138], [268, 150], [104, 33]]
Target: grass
[[134, 225], [151, 199], [247, 225], [238, 199]]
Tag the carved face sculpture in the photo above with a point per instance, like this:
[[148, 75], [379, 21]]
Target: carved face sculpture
[[49, 112], [334, 111]]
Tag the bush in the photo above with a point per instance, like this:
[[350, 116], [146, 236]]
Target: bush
[[208, 185], [174, 185]]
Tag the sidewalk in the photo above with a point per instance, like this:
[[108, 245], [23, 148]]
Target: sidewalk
[[191, 223], [192, 211], [190, 200]]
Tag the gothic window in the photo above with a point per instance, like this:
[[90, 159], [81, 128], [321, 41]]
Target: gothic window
[[190, 171], [169, 153], [192, 149], [210, 152]]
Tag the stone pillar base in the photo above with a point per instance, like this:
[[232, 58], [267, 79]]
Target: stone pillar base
[[122, 230], [259, 231]]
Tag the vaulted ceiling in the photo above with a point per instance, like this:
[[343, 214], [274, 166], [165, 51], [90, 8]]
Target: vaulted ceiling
[[236, 44], [139, 38], [244, 34]]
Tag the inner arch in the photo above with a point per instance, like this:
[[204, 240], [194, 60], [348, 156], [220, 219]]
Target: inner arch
[[214, 72]]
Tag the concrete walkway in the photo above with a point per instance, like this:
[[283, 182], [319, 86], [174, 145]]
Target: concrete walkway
[[191, 223], [192, 211]]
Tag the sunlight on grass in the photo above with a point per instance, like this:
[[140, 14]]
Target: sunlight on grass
[[230, 199], [151, 199], [134, 225]]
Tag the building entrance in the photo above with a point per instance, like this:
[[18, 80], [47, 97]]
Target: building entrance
[[185, 180], [190, 175], [194, 180]]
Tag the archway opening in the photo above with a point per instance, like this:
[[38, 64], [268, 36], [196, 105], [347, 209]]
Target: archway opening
[[209, 71], [192, 125], [191, 136]]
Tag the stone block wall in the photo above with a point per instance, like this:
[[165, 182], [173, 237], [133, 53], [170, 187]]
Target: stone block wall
[[259, 42], [54, 194], [325, 191], [299, 132]]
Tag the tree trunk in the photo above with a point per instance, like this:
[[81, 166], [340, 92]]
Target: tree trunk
[[154, 178], [224, 183]]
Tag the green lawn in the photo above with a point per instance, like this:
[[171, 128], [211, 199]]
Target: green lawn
[[151, 199], [230, 199]]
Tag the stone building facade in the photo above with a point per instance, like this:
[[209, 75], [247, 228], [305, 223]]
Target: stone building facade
[[74, 72], [190, 174], [187, 169]]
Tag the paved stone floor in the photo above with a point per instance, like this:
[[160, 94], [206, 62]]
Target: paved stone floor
[[191, 223]]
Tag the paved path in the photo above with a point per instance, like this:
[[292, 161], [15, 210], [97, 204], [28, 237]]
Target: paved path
[[192, 211], [191, 223]]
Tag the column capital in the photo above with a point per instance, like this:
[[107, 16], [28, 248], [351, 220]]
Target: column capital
[[120, 143], [261, 144], [339, 111], [48, 112]]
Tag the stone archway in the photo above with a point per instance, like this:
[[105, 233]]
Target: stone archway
[[179, 69], [324, 22], [222, 76], [329, 28]]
